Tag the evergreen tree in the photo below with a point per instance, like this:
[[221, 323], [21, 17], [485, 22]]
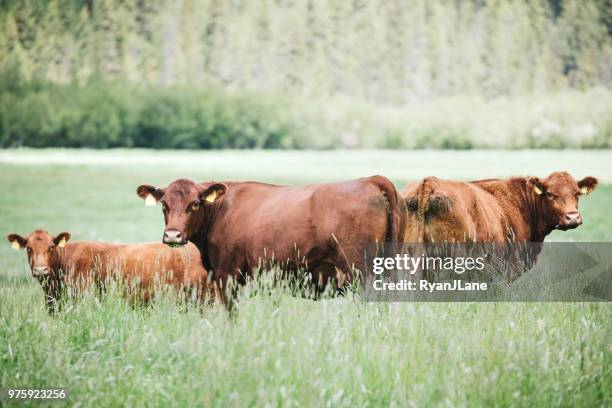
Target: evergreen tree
[[387, 51]]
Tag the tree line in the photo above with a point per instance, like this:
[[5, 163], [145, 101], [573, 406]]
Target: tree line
[[120, 66], [380, 50]]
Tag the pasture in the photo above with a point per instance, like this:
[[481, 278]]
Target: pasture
[[282, 350]]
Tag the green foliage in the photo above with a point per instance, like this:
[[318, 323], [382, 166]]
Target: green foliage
[[215, 74], [379, 51], [104, 114], [443, 138]]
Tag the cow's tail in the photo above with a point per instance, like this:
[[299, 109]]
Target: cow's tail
[[396, 210], [426, 189]]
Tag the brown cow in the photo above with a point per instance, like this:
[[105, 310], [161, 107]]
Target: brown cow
[[323, 228], [521, 209], [58, 264]]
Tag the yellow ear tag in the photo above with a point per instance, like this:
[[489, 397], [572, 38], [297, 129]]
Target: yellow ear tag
[[537, 190], [211, 197], [584, 190], [62, 243], [15, 245], [150, 201]]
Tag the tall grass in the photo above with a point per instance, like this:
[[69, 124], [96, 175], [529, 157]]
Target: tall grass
[[281, 348]]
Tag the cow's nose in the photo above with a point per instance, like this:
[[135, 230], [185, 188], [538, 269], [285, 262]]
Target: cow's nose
[[173, 237], [40, 270], [573, 218]]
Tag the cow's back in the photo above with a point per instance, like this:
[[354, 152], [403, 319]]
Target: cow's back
[[85, 262], [513, 206], [142, 265], [294, 224], [156, 263], [455, 211]]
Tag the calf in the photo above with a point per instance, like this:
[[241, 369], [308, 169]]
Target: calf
[[58, 264], [520, 209], [323, 228]]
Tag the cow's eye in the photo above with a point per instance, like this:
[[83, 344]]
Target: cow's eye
[[51, 248], [550, 195], [195, 206]]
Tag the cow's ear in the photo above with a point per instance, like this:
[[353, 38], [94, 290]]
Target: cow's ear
[[536, 184], [61, 239], [150, 194], [212, 192], [587, 184], [17, 241]]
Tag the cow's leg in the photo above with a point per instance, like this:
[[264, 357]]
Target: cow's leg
[[50, 304], [209, 290], [226, 288], [348, 263], [218, 294], [99, 287], [52, 292], [321, 276]]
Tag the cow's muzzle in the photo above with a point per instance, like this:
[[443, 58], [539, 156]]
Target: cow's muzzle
[[174, 238], [570, 220], [40, 271]]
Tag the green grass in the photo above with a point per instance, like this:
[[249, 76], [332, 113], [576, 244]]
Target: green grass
[[281, 349]]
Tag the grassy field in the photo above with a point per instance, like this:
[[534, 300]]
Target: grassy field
[[282, 350]]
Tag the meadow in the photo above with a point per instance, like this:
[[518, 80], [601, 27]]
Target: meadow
[[282, 350]]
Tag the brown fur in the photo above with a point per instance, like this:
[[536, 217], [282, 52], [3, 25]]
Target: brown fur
[[143, 267], [322, 227], [493, 210]]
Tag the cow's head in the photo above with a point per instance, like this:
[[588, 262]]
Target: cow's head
[[42, 250], [558, 195], [184, 204]]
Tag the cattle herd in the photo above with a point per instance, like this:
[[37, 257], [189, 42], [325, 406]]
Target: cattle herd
[[225, 230]]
